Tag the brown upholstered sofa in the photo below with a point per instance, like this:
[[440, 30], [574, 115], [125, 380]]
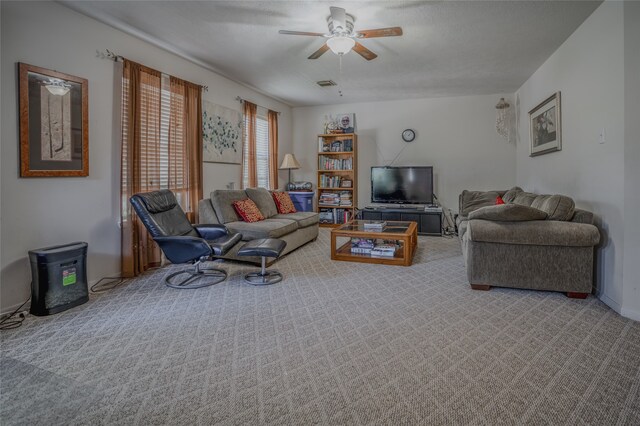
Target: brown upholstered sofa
[[296, 229], [555, 253]]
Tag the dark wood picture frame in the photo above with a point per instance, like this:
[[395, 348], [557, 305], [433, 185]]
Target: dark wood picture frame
[[71, 159], [545, 126]]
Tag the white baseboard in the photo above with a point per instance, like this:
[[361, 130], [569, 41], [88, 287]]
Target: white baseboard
[[610, 302], [630, 313], [10, 309]]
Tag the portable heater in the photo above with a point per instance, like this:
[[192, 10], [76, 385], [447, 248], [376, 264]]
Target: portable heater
[[58, 278]]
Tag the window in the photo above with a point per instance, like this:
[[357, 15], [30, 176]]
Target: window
[[262, 154]]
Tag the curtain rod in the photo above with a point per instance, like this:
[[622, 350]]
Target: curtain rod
[[108, 54], [239, 99]]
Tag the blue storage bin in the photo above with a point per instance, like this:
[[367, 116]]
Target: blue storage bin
[[303, 201]]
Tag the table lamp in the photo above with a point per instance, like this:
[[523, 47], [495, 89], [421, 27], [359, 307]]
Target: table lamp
[[289, 162]]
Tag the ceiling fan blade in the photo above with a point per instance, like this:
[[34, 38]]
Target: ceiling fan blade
[[319, 52], [300, 33], [364, 52], [380, 32], [339, 17]]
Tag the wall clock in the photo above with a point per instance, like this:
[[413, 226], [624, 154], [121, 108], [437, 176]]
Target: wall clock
[[408, 135]]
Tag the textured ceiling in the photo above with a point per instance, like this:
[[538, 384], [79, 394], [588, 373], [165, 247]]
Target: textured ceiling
[[449, 48]]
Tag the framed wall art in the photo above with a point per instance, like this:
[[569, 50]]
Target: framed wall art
[[545, 126], [54, 123], [221, 134]]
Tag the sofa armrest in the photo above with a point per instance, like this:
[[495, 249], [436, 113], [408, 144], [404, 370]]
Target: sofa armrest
[[582, 216], [534, 232]]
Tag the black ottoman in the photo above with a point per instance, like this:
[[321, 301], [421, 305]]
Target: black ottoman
[[264, 247]]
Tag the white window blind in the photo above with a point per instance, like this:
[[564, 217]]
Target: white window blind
[[262, 154]]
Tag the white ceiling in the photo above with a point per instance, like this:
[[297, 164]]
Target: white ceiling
[[449, 48]]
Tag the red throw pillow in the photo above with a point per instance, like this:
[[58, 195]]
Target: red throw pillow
[[248, 210], [283, 202], [499, 200]]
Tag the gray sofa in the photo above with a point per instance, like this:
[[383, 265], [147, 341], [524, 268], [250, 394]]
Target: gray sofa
[[296, 229], [555, 254]]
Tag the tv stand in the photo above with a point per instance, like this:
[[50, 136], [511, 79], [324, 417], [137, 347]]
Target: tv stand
[[429, 219]]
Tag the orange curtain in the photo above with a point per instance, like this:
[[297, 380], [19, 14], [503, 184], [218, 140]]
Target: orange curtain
[[250, 117], [141, 99], [272, 117], [161, 148], [185, 145]]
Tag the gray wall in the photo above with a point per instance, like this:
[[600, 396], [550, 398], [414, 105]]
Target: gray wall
[[455, 135], [589, 70], [39, 212], [631, 271]]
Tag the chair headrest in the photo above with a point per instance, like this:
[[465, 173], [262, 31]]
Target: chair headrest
[[158, 201]]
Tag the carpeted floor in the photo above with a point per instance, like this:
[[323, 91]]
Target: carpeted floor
[[334, 343]]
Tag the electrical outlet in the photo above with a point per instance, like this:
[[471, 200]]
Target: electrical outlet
[[602, 138]]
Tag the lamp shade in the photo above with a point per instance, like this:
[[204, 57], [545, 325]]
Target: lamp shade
[[289, 162], [340, 44]]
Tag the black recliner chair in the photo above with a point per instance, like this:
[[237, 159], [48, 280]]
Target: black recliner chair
[[182, 242]]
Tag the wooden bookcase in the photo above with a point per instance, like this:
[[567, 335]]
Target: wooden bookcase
[[337, 177]]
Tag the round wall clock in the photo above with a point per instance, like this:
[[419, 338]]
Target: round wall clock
[[408, 135]]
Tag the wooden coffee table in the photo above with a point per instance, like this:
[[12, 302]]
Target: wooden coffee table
[[404, 233]]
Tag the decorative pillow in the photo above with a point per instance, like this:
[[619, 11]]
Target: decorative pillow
[[248, 210], [499, 200], [508, 213], [283, 202]]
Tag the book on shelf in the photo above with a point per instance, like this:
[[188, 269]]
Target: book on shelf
[[334, 215], [330, 163], [332, 145], [382, 253]]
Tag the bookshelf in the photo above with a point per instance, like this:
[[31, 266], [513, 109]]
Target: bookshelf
[[337, 178]]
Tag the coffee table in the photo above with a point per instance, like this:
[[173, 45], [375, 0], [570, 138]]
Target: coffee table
[[405, 234]]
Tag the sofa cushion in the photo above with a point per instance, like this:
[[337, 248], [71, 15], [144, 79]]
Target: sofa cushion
[[540, 233], [268, 228], [510, 195], [508, 213], [524, 198], [248, 210], [222, 202], [304, 219], [473, 200], [283, 202], [263, 200], [558, 207]]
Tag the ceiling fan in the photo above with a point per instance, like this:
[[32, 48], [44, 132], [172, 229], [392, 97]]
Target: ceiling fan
[[342, 38]]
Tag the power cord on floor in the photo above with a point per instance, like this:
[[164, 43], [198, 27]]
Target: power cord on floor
[[5, 324], [100, 287]]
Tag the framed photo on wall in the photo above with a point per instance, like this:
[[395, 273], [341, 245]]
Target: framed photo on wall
[[54, 123], [545, 126]]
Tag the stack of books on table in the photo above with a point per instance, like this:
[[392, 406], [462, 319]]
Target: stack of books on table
[[329, 199], [361, 245], [375, 226], [384, 250]]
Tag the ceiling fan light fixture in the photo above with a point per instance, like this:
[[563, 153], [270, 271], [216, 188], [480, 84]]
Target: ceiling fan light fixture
[[341, 44]]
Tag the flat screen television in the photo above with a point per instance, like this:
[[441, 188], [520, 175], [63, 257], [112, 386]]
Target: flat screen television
[[402, 185]]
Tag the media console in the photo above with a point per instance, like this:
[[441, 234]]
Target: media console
[[429, 219]]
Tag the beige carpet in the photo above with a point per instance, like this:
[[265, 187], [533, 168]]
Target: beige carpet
[[334, 343]]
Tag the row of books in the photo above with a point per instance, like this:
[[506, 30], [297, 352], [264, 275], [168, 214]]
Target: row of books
[[328, 163], [335, 215], [342, 198], [328, 181], [370, 247], [345, 145]]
